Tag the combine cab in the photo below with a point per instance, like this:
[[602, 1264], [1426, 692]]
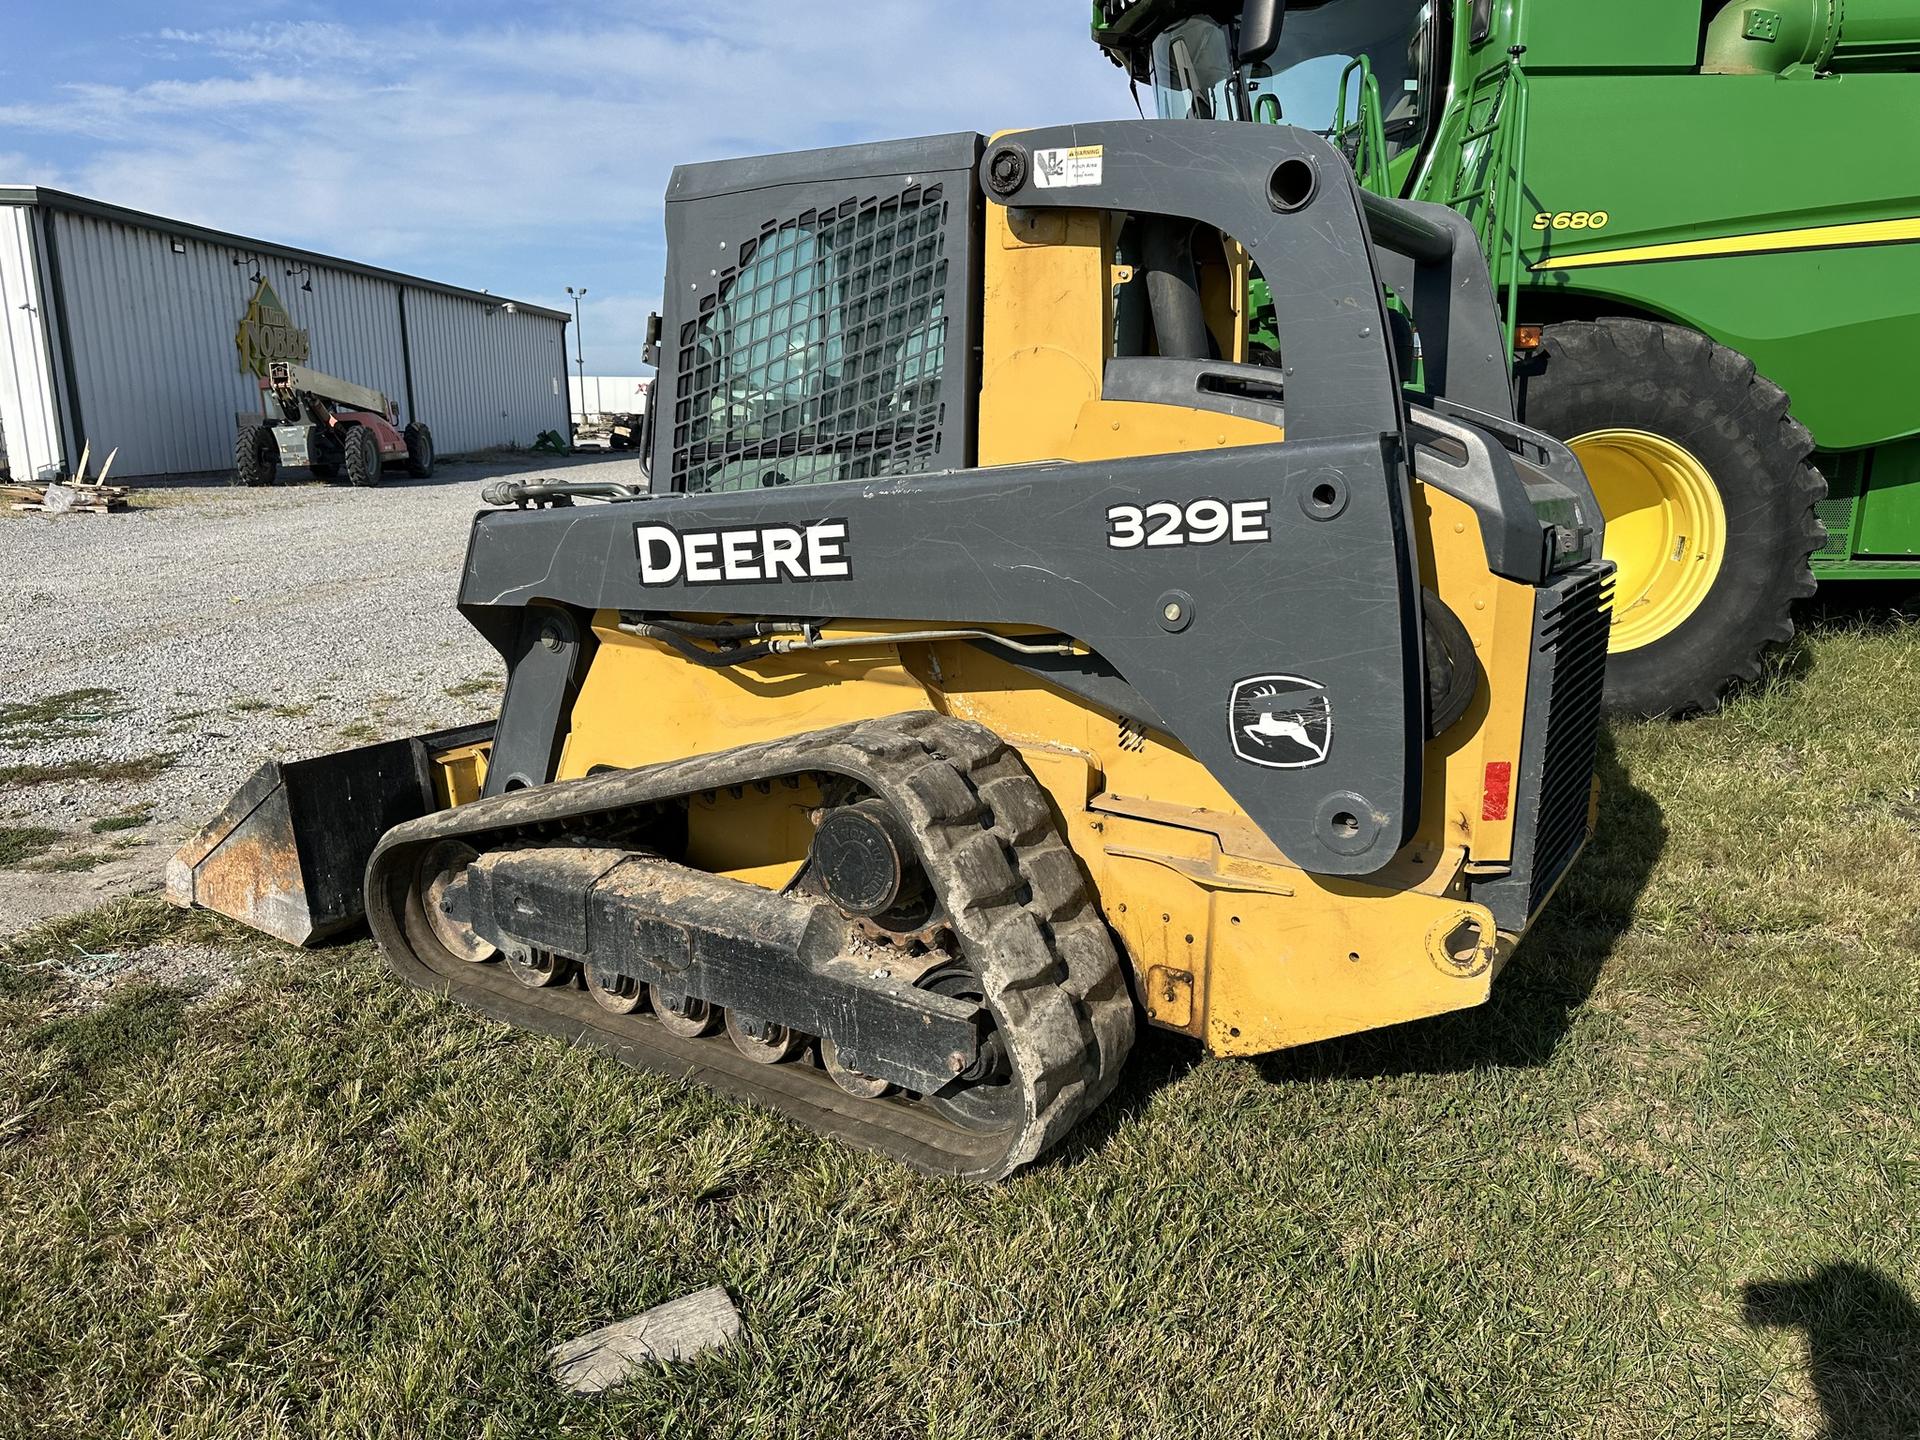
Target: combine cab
[[1728, 354]]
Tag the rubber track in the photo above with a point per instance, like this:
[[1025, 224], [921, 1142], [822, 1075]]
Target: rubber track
[[1012, 889]]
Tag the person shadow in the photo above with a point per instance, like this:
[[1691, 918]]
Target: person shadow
[[1534, 1000], [1863, 1342]]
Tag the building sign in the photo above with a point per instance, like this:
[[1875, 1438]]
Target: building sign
[[267, 332]]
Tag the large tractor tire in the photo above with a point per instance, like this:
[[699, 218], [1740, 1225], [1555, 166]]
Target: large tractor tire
[[1708, 493], [256, 456], [362, 457], [419, 451]]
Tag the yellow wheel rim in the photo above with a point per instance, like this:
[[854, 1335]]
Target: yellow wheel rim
[[1666, 529]]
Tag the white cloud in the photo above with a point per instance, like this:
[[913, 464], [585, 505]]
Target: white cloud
[[16, 169], [304, 43], [539, 149]]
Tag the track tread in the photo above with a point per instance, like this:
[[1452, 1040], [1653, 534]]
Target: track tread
[[1012, 890]]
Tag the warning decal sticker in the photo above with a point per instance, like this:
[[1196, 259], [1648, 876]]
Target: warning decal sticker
[[1064, 169]]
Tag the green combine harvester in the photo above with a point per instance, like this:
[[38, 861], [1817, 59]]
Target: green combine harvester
[[1703, 217]]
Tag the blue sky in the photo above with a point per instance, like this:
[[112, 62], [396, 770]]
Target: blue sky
[[516, 148]]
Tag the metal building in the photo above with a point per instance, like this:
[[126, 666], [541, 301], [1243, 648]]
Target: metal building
[[147, 334]]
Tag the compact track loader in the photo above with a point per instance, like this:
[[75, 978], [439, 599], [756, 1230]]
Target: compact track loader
[[997, 642]]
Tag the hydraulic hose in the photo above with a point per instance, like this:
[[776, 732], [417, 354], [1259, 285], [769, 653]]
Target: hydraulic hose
[[731, 630], [515, 492], [1173, 289], [712, 659]]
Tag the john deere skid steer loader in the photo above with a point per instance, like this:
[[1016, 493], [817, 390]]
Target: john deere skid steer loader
[[1000, 656]]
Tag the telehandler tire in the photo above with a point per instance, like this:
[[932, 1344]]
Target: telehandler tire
[[419, 451], [256, 456], [1705, 482], [362, 457]]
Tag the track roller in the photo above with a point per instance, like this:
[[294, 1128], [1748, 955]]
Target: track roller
[[762, 1041], [538, 969], [867, 1087], [682, 1014], [615, 993]]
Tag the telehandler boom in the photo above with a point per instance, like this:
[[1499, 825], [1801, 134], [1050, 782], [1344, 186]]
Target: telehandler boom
[[327, 425]]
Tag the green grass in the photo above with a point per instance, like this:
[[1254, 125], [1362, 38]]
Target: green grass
[[479, 685], [133, 770], [254, 705], [130, 923], [68, 712], [129, 820], [1665, 1184], [358, 730], [150, 498], [23, 842], [70, 863]]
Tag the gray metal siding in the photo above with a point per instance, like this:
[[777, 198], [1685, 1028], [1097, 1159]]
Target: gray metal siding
[[152, 333], [152, 311], [28, 414], [484, 376], [354, 324], [154, 354]]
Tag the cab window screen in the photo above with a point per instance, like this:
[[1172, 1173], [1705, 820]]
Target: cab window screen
[[821, 353]]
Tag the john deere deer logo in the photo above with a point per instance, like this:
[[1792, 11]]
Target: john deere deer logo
[[267, 332], [1281, 721]]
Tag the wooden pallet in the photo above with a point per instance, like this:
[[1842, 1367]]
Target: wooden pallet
[[88, 494], [87, 499]]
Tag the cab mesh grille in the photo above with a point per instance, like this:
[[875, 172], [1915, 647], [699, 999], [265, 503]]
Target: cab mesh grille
[[820, 353]]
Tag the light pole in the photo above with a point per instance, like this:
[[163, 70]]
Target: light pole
[[579, 346]]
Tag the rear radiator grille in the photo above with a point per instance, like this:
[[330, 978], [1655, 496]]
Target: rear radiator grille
[[1560, 742], [1576, 635]]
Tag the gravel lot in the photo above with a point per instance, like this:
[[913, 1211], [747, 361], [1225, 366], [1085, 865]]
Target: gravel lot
[[231, 626]]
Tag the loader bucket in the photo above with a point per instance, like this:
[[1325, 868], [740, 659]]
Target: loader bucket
[[287, 853]]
